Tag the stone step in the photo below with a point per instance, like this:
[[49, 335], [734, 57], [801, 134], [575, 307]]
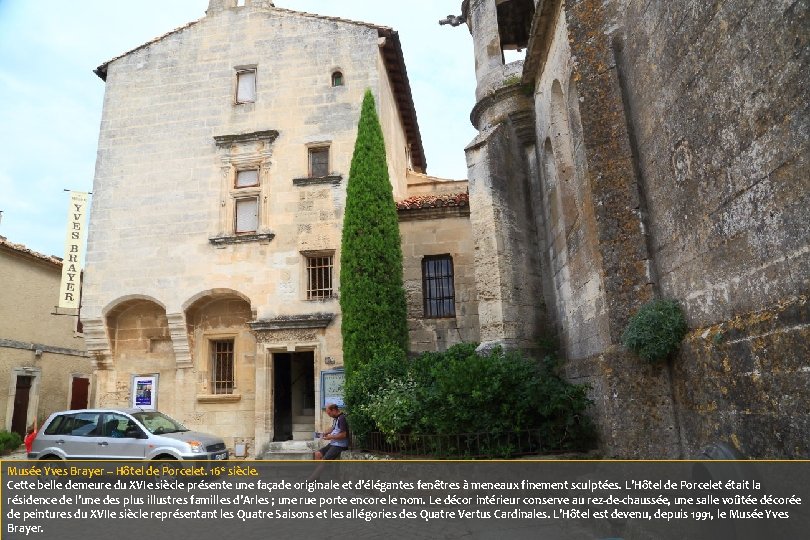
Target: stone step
[[293, 456], [303, 435], [306, 445], [307, 412], [303, 420], [292, 450], [304, 426]]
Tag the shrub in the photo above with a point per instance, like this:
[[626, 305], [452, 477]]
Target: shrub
[[9, 441], [367, 379], [656, 330], [459, 391]]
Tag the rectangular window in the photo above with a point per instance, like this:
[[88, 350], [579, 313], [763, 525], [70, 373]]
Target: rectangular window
[[222, 380], [319, 277], [247, 215], [437, 286], [319, 162], [247, 178], [246, 86]]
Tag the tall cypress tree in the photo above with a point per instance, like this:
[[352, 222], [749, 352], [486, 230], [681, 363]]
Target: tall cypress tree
[[372, 297]]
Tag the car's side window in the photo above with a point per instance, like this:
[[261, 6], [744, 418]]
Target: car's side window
[[57, 426], [86, 424], [119, 426]]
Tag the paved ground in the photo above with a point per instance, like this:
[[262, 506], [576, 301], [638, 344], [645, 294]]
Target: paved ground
[[15, 455]]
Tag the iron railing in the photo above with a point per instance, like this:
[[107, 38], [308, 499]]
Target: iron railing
[[503, 444]]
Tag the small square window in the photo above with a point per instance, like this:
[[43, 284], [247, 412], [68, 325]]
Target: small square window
[[319, 162], [319, 277], [247, 215], [246, 86], [247, 178], [222, 366]]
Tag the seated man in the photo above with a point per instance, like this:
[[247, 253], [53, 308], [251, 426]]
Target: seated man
[[338, 437]]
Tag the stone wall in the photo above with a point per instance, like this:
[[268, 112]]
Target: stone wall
[[719, 113], [670, 161], [439, 231]]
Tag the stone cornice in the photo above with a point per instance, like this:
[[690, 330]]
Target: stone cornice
[[222, 241], [284, 322], [314, 180], [441, 212], [12, 344], [268, 135]]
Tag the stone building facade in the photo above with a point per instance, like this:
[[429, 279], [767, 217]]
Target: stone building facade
[[647, 149], [215, 231], [44, 366]]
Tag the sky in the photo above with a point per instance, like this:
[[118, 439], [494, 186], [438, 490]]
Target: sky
[[50, 99]]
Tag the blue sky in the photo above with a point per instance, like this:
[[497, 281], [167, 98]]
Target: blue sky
[[50, 99]]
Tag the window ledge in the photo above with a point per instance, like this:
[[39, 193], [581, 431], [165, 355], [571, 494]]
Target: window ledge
[[218, 398], [221, 241], [313, 180]]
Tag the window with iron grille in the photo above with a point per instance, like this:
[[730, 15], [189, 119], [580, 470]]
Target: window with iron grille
[[319, 276], [319, 162], [437, 286], [222, 369]]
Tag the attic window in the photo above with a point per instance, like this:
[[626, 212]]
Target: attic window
[[337, 78], [246, 86]]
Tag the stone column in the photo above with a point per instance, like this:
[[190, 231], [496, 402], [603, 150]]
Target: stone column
[[483, 23]]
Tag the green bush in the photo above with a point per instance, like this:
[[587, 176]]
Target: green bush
[[656, 330], [9, 441], [366, 379], [459, 391]]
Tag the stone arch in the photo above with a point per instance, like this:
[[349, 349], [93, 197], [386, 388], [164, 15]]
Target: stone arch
[[221, 342], [560, 129], [555, 220], [128, 298], [137, 325], [575, 125], [214, 293]]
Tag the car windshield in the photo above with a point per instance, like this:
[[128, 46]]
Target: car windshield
[[158, 423]]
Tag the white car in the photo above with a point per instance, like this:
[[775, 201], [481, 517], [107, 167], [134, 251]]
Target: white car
[[122, 434]]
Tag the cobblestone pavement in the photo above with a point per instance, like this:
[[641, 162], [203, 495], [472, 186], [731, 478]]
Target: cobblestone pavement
[[15, 455]]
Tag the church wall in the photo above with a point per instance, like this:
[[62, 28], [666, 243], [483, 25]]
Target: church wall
[[719, 112]]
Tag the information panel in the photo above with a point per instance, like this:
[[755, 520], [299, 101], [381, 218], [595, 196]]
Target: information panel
[[332, 387], [395, 499]]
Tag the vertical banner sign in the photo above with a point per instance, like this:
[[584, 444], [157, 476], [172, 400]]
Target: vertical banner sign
[[74, 251]]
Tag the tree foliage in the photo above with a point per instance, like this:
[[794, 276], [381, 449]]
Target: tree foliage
[[372, 297]]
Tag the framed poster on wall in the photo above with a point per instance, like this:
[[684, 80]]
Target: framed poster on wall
[[332, 387], [144, 391]]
